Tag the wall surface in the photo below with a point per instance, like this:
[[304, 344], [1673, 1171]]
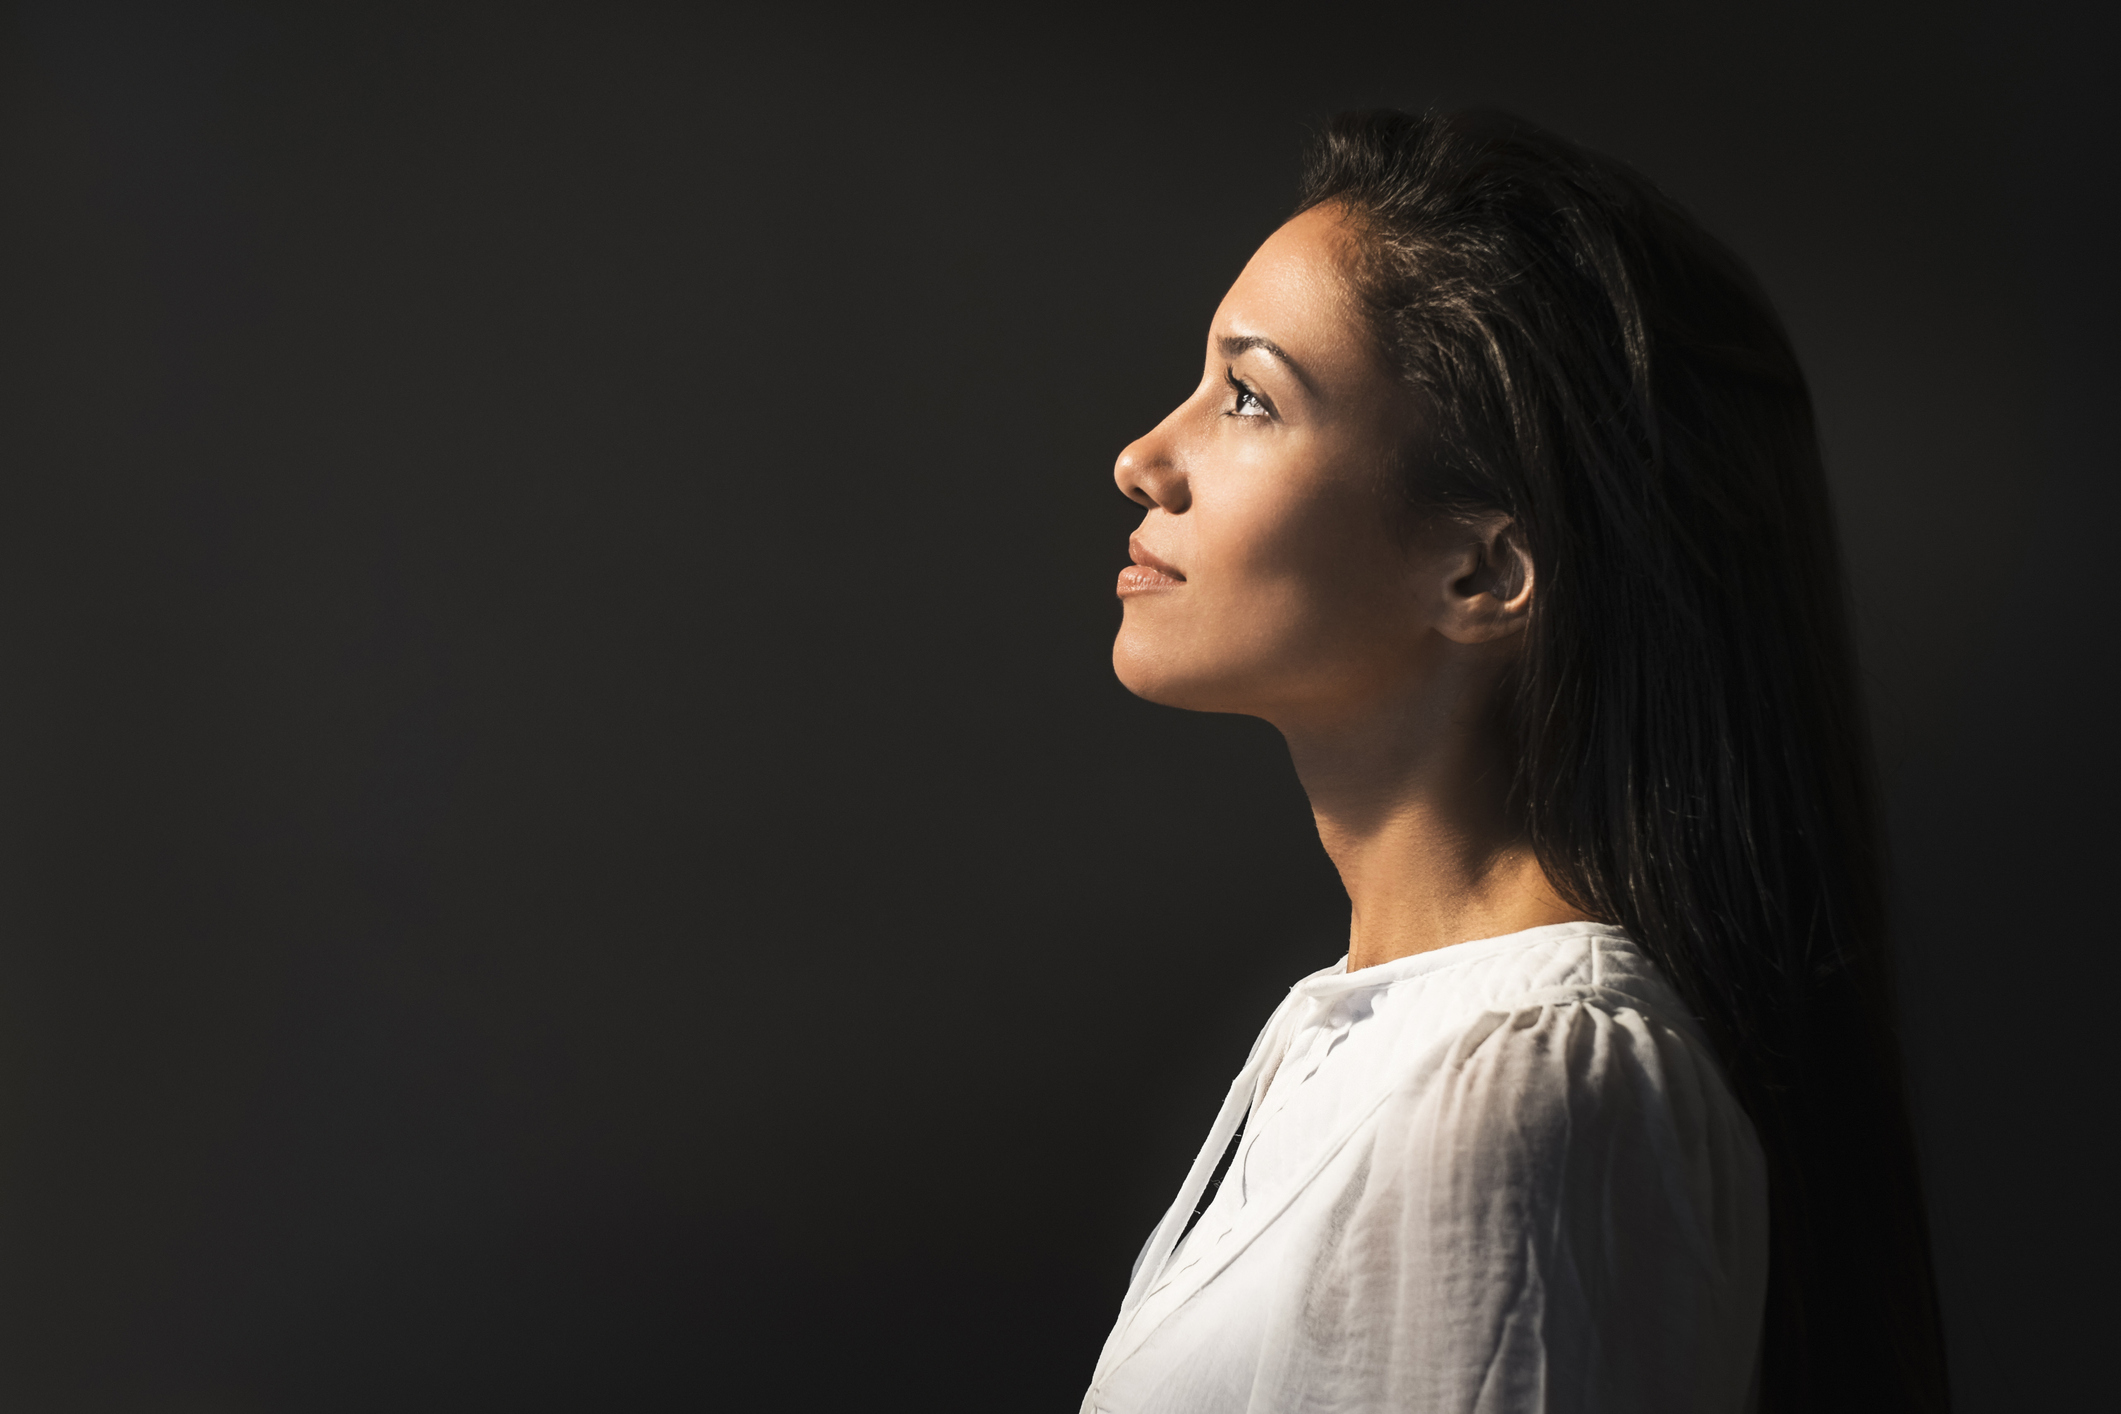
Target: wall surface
[[566, 835]]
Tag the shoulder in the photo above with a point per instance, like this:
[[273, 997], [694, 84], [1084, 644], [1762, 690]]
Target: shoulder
[[1580, 1043], [1471, 992], [1586, 1114], [1582, 1052]]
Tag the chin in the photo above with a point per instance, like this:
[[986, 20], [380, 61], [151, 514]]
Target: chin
[[1168, 680], [1145, 674]]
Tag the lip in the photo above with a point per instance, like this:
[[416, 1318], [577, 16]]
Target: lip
[[1147, 572]]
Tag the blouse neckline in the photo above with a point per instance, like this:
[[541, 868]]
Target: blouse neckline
[[1337, 980]]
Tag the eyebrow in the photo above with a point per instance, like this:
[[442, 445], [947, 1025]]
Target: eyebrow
[[1231, 345]]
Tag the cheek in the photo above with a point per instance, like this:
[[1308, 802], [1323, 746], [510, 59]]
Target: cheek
[[1311, 550]]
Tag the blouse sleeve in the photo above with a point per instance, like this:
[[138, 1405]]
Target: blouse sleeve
[[1573, 1217]]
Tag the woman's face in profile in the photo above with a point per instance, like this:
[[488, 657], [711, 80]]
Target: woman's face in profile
[[1268, 576]]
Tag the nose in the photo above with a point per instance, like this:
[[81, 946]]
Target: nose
[[1149, 475]]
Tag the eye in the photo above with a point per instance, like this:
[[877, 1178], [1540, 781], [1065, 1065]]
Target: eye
[[1247, 403]]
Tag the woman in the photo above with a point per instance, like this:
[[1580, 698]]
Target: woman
[[1500, 496]]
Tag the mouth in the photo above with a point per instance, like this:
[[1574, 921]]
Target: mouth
[[1147, 572]]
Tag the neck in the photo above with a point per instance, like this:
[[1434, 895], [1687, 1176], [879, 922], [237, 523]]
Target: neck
[[1412, 804]]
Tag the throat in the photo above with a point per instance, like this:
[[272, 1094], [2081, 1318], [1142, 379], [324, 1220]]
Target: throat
[[1417, 883]]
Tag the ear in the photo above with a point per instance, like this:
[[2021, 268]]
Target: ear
[[1487, 582]]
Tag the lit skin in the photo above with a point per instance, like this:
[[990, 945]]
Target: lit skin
[[1272, 578]]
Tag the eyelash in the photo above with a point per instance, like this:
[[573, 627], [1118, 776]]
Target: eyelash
[[1238, 387]]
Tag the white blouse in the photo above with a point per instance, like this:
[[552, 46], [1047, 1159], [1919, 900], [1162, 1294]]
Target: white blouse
[[1500, 1176]]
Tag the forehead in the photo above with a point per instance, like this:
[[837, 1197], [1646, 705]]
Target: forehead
[[1295, 292]]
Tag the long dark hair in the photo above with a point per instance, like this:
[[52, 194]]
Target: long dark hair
[[1692, 759]]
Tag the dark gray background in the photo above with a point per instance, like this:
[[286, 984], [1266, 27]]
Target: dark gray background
[[569, 840]]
